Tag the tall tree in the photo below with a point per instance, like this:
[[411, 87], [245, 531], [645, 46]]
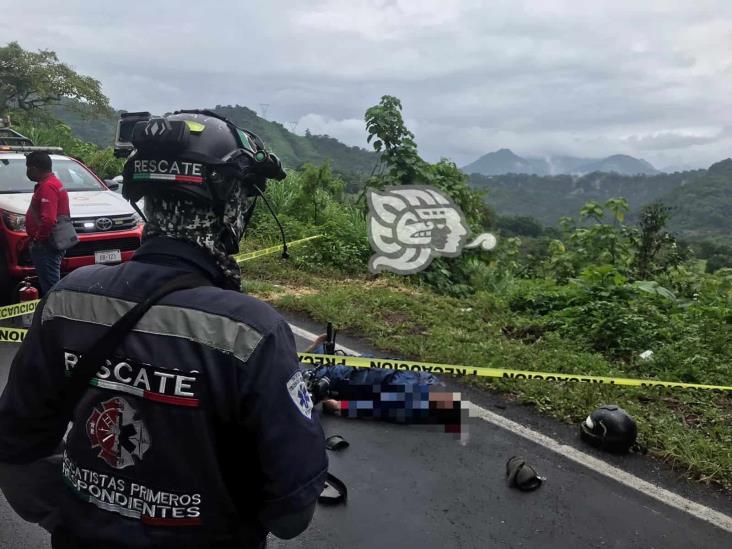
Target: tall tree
[[384, 122], [30, 81], [401, 164]]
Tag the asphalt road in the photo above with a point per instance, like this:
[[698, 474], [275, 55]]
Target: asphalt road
[[413, 486]]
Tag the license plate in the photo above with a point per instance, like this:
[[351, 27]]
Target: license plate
[[108, 256]]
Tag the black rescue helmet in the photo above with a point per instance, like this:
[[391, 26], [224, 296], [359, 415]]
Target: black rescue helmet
[[199, 154], [610, 428]]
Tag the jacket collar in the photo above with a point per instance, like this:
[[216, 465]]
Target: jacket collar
[[164, 250]]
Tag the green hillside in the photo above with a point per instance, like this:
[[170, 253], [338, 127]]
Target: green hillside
[[294, 150], [700, 199], [547, 198], [99, 130], [701, 208]]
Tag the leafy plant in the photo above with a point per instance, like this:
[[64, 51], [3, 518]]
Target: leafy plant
[[652, 241], [317, 185], [399, 164]]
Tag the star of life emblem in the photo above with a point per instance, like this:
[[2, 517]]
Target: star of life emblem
[[119, 436], [299, 394], [410, 225]]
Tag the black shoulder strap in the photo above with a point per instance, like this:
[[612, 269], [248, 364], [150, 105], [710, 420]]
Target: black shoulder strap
[[88, 364]]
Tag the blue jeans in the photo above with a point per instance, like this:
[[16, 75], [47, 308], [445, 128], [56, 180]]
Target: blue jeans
[[47, 261]]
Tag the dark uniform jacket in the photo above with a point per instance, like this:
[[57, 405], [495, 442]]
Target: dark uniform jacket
[[195, 429]]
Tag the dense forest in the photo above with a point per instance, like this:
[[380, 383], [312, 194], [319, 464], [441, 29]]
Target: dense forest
[[699, 199]]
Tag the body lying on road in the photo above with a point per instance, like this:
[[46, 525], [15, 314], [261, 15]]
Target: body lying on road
[[383, 394]]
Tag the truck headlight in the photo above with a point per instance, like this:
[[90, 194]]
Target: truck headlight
[[14, 221]]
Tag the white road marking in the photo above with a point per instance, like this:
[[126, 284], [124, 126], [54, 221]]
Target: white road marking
[[631, 481], [661, 494]]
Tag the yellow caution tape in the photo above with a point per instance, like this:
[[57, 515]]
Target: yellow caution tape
[[16, 335], [434, 368], [27, 307], [17, 309], [12, 335], [241, 258]]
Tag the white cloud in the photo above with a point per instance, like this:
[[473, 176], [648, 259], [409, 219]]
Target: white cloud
[[678, 139], [648, 78], [350, 131], [375, 20]]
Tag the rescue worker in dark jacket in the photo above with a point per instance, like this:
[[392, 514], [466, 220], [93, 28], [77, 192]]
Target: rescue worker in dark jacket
[[197, 431]]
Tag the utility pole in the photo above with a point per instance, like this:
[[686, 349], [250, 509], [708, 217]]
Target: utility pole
[[264, 107], [292, 126]]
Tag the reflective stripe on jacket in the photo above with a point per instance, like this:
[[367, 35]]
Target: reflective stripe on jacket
[[192, 432]]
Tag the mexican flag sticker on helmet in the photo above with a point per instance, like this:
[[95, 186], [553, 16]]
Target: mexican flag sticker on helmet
[[167, 170]]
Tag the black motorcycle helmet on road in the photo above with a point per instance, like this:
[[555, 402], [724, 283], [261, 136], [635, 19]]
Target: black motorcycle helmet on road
[[609, 428]]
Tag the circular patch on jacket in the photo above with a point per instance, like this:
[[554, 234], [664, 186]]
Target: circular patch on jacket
[[115, 431], [299, 394]]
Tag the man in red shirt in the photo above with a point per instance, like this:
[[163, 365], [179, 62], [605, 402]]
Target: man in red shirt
[[49, 201]]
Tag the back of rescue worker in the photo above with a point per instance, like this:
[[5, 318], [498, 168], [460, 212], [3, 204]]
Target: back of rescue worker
[[197, 431]]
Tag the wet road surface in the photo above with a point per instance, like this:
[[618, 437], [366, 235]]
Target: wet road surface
[[415, 486]]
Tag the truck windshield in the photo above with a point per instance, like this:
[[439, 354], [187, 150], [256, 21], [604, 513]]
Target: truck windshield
[[73, 176]]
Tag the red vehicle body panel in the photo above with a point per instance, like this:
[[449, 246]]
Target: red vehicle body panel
[[16, 253]]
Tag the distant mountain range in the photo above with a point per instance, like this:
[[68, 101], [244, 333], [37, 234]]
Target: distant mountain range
[[505, 161]]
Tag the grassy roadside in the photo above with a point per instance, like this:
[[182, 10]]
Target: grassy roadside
[[691, 431]]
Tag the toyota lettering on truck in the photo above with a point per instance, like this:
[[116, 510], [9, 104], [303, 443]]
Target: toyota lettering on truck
[[109, 229]]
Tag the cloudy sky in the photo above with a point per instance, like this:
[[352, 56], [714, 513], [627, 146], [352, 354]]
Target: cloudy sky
[[651, 78]]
